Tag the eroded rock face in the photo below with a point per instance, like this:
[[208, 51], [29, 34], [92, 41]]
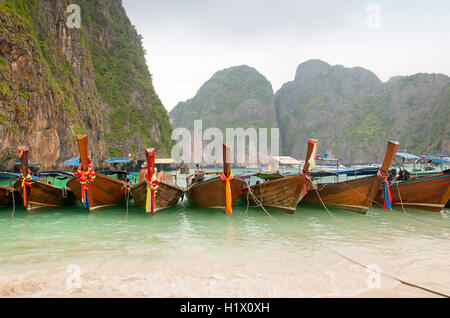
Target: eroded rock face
[[43, 106], [48, 88], [235, 97], [353, 113]]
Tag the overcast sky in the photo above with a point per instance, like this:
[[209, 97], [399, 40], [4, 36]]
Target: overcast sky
[[187, 41]]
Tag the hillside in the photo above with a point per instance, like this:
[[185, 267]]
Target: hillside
[[353, 113], [56, 82], [234, 97]]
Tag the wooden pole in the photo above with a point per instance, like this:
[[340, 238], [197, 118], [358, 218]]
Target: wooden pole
[[311, 144], [226, 160], [150, 155], [389, 156], [82, 141], [24, 159]]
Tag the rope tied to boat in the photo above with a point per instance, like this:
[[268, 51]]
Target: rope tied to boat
[[64, 192], [356, 262], [229, 201], [152, 191], [387, 192], [26, 181], [85, 178]]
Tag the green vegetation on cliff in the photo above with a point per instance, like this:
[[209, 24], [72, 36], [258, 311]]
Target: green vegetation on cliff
[[123, 79], [235, 97], [56, 81], [353, 114]]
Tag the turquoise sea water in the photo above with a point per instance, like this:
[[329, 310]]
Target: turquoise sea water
[[190, 252]]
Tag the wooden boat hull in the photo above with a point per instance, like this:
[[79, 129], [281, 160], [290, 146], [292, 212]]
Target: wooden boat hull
[[212, 194], [9, 196], [282, 194], [425, 193], [103, 192], [167, 196], [43, 195], [356, 194]]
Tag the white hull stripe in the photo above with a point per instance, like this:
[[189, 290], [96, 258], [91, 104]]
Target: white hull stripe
[[422, 204], [100, 207]]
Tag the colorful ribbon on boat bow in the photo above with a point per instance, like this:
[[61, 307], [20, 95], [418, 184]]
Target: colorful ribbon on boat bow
[[229, 202], [85, 178], [22, 150], [387, 192], [27, 181], [307, 176], [152, 190]]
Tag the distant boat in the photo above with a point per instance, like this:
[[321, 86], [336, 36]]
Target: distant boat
[[166, 193], [220, 192], [365, 165], [355, 194], [282, 193], [97, 192], [37, 194], [329, 164]]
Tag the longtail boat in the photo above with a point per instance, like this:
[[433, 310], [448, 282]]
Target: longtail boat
[[37, 194], [355, 194], [9, 196], [95, 191], [156, 192], [220, 192], [282, 193], [430, 193]]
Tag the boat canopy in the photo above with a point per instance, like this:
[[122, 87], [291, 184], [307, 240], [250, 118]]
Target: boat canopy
[[287, 160], [406, 156], [73, 162], [441, 160], [55, 174], [328, 159], [4, 175], [118, 160], [29, 163], [164, 161], [348, 172]]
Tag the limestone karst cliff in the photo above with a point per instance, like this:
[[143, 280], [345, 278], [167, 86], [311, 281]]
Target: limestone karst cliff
[[57, 81]]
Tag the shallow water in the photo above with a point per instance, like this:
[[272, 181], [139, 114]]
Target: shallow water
[[190, 252]]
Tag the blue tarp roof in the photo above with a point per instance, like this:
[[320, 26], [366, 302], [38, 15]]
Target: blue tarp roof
[[407, 156], [118, 160], [73, 162], [30, 163], [441, 161], [76, 161], [14, 174]]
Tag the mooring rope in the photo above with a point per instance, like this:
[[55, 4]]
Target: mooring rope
[[127, 188], [346, 257], [14, 202], [320, 198], [64, 192], [417, 219], [406, 214]]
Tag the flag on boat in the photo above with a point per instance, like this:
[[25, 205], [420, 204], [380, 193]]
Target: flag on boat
[[312, 159]]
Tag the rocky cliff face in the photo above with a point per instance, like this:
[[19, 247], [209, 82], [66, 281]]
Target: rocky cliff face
[[235, 97], [349, 110], [353, 114], [51, 83]]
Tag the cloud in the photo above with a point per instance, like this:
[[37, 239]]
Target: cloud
[[188, 41]]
